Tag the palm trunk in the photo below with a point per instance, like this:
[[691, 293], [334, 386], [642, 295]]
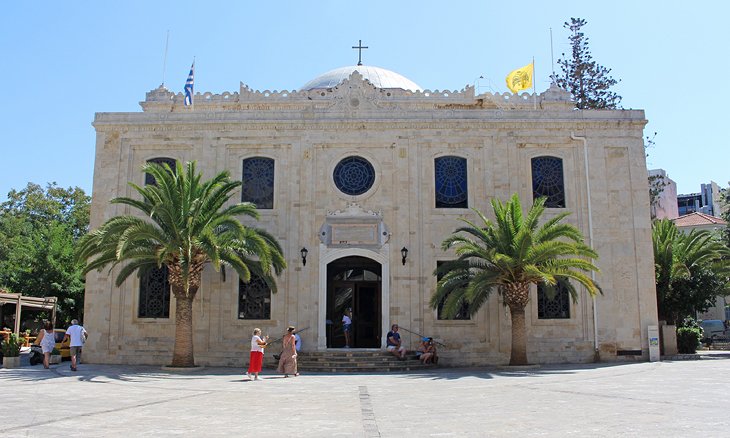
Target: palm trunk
[[182, 355], [516, 296], [518, 355]]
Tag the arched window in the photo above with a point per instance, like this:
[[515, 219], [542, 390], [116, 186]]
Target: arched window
[[451, 182], [258, 182], [154, 287], [154, 294], [547, 181], [354, 175], [553, 302], [149, 179], [254, 299]]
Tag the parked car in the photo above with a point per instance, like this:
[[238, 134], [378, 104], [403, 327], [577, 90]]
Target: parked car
[[63, 347], [712, 329]]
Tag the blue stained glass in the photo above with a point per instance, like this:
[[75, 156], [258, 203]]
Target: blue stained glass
[[354, 175], [547, 181], [258, 182], [451, 182]]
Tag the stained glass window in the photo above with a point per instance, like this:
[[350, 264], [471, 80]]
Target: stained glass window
[[555, 303], [154, 294], [354, 175], [451, 182], [149, 179], [547, 181], [462, 314], [254, 299], [258, 182]]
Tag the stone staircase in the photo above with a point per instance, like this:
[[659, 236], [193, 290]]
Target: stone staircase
[[342, 360]]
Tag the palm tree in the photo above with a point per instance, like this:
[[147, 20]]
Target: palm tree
[[185, 226], [690, 270], [508, 255]]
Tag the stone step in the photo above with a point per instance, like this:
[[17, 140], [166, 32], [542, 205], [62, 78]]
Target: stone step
[[353, 361]]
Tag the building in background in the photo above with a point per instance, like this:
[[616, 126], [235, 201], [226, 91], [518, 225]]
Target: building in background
[[707, 201], [664, 205]]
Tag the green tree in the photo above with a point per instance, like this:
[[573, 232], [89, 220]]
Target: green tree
[[588, 81], [185, 226], [725, 201], [690, 272], [508, 255], [38, 231]]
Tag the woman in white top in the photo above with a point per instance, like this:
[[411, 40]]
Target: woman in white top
[[47, 341], [256, 358]]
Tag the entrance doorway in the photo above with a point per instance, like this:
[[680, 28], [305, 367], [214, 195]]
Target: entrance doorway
[[354, 283]]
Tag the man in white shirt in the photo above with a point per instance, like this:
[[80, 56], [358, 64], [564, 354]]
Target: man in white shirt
[[78, 335]]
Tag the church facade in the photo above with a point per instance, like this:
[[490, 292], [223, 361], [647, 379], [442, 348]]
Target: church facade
[[361, 175]]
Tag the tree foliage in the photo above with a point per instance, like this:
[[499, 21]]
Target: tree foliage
[[725, 203], [588, 81], [184, 225], [508, 255], [690, 272], [39, 228]]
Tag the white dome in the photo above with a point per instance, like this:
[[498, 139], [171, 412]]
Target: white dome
[[377, 76]]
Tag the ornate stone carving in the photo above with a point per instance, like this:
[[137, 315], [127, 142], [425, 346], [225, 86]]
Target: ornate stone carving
[[354, 226]]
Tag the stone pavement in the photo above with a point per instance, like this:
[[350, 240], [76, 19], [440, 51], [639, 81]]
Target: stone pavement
[[664, 399]]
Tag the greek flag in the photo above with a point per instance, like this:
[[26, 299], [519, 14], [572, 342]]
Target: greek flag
[[189, 86]]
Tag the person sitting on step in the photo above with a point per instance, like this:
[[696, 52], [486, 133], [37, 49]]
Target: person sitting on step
[[393, 343]]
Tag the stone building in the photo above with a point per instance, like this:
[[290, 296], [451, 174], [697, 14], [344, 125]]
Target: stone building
[[361, 174]]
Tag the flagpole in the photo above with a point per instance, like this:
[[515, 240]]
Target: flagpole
[[192, 100], [534, 94], [552, 57], [164, 59]]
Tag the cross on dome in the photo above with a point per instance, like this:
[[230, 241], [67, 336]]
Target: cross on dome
[[359, 48]]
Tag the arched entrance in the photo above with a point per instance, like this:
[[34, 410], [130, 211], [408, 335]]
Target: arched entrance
[[354, 282]]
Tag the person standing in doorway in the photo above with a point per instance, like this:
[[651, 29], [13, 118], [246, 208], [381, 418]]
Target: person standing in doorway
[[256, 357], [347, 326], [78, 336], [288, 359]]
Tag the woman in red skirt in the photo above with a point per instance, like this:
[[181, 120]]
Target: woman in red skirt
[[257, 354]]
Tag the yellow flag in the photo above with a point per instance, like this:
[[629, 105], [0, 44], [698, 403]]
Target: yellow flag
[[520, 79]]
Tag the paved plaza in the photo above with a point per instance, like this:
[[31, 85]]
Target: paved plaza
[[663, 399]]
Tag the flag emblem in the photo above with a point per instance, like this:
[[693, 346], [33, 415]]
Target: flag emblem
[[520, 79], [189, 86]]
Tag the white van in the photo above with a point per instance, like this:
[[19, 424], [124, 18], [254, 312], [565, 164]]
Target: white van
[[712, 328]]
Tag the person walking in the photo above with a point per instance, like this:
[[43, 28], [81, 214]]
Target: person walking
[[256, 357], [288, 359], [78, 335], [47, 340]]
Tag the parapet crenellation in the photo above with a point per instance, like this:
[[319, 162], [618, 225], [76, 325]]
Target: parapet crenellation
[[356, 89]]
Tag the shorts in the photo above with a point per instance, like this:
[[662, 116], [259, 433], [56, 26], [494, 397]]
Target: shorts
[[393, 347], [75, 351], [347, 328]]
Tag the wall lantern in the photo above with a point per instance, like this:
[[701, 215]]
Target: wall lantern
[[404, 255], [304, 253]]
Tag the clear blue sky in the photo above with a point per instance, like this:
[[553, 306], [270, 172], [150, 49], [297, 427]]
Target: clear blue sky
[[64, 61]]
